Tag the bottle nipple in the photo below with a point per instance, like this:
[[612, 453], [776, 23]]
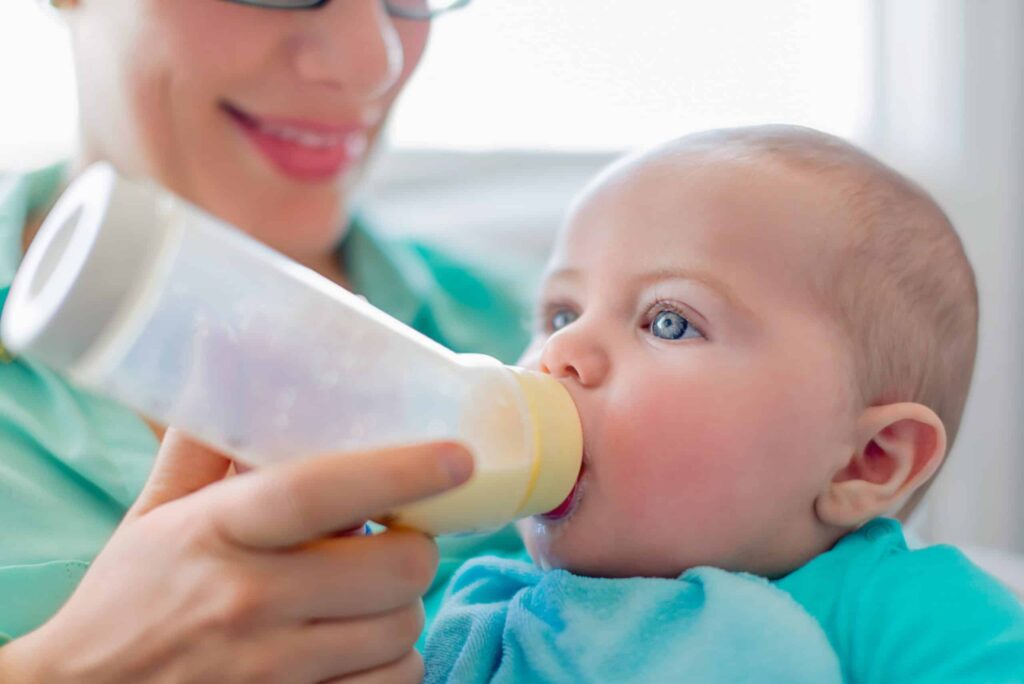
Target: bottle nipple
[[559, 442]]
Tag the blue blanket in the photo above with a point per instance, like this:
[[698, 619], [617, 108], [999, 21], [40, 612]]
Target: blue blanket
[[509, 622]]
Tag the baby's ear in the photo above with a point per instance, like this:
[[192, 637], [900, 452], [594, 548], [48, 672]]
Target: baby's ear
[[900, 446]]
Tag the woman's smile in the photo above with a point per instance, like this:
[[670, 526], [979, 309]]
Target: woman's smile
[[304, 150]]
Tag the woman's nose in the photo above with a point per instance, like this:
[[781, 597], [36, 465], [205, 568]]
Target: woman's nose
[[351, 45], [571, 353]]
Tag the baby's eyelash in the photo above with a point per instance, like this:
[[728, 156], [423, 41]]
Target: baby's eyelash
[[661, 304], [542, 315]]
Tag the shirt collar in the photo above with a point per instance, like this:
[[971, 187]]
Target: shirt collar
[[381, 273]]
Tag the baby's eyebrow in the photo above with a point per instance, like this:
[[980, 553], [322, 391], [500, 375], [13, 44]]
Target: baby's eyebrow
[[705, 278], [563, 274]]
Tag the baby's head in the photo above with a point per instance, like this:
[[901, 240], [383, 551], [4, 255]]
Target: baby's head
[[769, 336]]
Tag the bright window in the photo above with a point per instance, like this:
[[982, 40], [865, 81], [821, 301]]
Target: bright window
[[613, 74], [37, 92]]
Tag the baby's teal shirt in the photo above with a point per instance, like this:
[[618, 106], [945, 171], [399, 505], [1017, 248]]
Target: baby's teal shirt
[[898, 615]]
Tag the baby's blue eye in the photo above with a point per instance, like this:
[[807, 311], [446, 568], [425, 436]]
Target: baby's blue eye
[[562, 318], [668, 325]]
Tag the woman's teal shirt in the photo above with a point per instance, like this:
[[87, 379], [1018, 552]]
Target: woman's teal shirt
[[71, 462]]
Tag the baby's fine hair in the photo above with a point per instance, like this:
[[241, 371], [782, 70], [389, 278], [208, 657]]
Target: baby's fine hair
[[897, 279]]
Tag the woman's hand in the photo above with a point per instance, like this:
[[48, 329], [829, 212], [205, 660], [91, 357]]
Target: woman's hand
[[239, 579]]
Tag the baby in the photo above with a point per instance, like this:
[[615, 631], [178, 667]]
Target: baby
[[770, 337]]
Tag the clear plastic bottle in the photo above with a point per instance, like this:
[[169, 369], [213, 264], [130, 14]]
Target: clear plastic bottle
[[138, 295]]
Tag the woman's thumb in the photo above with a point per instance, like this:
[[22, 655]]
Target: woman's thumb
[[182, 466]]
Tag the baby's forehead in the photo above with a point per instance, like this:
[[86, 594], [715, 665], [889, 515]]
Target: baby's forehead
[[704, 205]]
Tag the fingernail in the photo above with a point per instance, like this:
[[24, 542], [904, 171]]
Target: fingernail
[[357, 531], [459, 464]]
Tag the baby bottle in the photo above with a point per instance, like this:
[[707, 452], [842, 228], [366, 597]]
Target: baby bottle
[[140, 296]]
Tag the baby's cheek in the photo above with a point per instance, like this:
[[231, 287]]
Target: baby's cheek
[[673, 458]]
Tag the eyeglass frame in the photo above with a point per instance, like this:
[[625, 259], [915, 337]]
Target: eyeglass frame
[[317, 4]]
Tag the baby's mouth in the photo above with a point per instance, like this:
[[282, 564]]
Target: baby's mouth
[[567, 507]]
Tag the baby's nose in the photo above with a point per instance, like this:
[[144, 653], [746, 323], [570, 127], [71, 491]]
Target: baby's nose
[[574, 357]]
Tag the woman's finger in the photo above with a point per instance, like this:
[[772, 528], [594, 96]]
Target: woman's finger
[[390, 570], [326, 650], [408, 670], [182, 466], [292, 503]]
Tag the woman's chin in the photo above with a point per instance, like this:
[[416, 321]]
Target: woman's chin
[[305, 232]]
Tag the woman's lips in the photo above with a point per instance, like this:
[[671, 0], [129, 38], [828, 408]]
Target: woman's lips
[[564, 509], [303, 150]]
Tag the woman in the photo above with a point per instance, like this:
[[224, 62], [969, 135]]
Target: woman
[[262, 112]]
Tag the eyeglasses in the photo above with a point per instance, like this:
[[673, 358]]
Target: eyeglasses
[[418, 10]]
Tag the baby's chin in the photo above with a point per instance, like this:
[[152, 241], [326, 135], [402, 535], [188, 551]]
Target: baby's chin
[[562, 546], [553, 546]]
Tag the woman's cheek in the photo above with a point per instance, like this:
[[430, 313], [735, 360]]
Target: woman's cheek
[[413, 36]]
